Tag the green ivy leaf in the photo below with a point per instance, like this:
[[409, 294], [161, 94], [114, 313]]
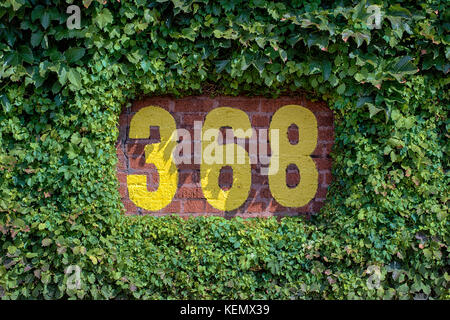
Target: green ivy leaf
[[74, 54], [341, 89], [318, 39], [74, 78], [46, 242], [5, 103], [12, 249], [189, 34], [36, 38], [221, 64], [62, 75], [76, 138], [373, 110], [26, 54], [103, 18], [45, 19], [37, 13], [402, 66], [326, 69]]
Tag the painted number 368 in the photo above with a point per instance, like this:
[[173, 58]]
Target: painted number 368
[[283, 155]]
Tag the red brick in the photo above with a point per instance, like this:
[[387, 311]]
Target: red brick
[[173, 207], [326, 178], [130, 207], [292, 179], [293, 135], [323, 150], [256, 207], [323, 163], [325, 121], [163, 102], [123, 119], [328, 147], [154, 134], [188, 166], [326, 134], [305, 209], [316, 106], [275, 207], [188, 177], [123, 127], [194, 206], [191, 133], [152, 177], [225, 179], [123, 190], [187, 192], [227, 134], [260, 121], [210, 209], [139, 163], [122, 177], [318, 151], [265, 193], [178, 116], [135, 149], [321, 192], [317, 205], [194, 104], [264, 151], [121, 160], [188, 119], [272, 105], [259, 179], [154, 137], [247, 104], [152, 180]]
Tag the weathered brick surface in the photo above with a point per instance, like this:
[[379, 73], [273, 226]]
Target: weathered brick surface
[[189, 199]]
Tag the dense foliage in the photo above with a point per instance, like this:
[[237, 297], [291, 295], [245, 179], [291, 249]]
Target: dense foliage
[[62, 91]]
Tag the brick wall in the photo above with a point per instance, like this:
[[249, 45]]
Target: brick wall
[[189, 199]]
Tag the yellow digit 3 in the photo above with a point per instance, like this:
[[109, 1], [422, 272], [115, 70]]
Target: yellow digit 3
[[160, 154], [298, 154], [214, 154]]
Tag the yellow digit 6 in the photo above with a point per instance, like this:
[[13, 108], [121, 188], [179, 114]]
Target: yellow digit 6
[[160, 154], [213, 159], [298, 154]]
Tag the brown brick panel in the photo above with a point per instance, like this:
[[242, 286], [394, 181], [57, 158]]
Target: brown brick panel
[[189, 199]]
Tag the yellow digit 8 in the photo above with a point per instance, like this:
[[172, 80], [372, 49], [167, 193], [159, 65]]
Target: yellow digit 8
[[213, 159], [298, 154], [160, 154]]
